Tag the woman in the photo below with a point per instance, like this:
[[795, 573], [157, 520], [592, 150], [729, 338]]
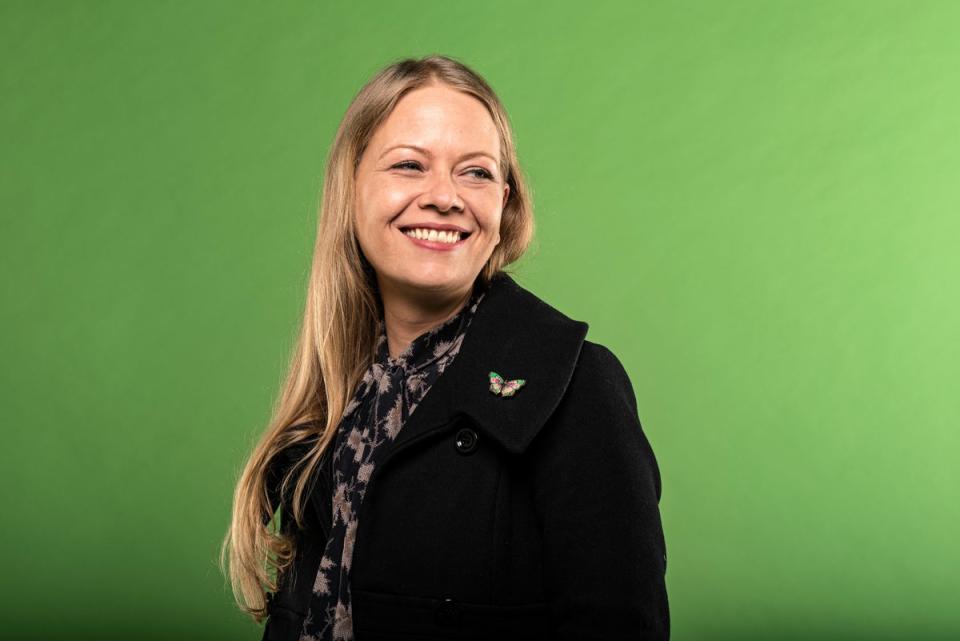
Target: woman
[[520, 499]]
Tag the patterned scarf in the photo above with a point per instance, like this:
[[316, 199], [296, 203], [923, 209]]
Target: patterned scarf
[[389, 392]]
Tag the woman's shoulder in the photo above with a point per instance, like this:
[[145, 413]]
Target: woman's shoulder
[[598, 419], [601, 376]]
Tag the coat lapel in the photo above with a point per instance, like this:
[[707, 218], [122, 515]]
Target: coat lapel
[[517, 335]]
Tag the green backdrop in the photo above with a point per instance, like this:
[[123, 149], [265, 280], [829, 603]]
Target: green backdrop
[[755, 205]]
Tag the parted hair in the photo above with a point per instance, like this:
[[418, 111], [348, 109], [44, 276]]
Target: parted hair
[[336, 337]]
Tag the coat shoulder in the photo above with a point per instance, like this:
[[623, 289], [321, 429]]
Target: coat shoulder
[[602, 372], [599, 412]]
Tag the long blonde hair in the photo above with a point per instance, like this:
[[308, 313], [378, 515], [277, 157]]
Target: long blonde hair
[[337, 332]]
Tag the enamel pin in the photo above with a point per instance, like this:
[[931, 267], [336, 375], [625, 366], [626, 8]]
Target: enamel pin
[[502, 387]]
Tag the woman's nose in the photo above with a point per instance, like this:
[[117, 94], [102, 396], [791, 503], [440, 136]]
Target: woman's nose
[[441, 193]]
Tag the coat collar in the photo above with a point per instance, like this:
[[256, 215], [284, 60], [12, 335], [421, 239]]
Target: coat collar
[[517, 335]]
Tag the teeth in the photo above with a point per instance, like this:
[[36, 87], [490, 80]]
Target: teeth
[[434, 235]]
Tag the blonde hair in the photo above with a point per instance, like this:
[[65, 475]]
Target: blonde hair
[[337, 331]]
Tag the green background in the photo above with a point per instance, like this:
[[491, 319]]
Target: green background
[[755, 205]]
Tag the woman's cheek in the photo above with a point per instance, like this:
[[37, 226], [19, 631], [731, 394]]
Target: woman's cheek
[[488, 210], [394, 197]]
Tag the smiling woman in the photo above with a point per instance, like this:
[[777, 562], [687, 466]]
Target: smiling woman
[[430, 195], [449, 458]]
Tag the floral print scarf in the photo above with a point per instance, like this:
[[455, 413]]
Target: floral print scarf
[[389, 392]]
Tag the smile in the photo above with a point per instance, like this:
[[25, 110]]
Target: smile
[[432, 239]]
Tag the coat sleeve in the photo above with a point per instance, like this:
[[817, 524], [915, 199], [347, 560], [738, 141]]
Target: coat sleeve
[[597, 490]]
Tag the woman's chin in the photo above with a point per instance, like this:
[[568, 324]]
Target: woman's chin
[[439, 280]]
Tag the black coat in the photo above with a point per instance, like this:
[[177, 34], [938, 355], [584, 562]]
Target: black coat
[[529, 517]]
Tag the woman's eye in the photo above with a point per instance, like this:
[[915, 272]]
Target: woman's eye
[[483, 173], [477, 172]]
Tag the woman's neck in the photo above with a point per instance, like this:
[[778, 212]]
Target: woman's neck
[[407, 314]]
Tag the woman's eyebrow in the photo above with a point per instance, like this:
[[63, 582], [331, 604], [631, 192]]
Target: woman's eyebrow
[[427, 153]]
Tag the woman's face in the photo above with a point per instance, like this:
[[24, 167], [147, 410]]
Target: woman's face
[[432, 165]]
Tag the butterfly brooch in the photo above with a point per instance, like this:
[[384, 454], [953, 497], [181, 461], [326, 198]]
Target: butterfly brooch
[[503, 387]]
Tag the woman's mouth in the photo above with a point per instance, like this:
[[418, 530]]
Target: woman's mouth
[[441, 240]]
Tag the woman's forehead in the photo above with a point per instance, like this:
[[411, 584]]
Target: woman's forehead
[[437, 119]]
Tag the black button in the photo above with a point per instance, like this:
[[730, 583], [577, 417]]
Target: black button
[[448, 612], [466, 440]]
